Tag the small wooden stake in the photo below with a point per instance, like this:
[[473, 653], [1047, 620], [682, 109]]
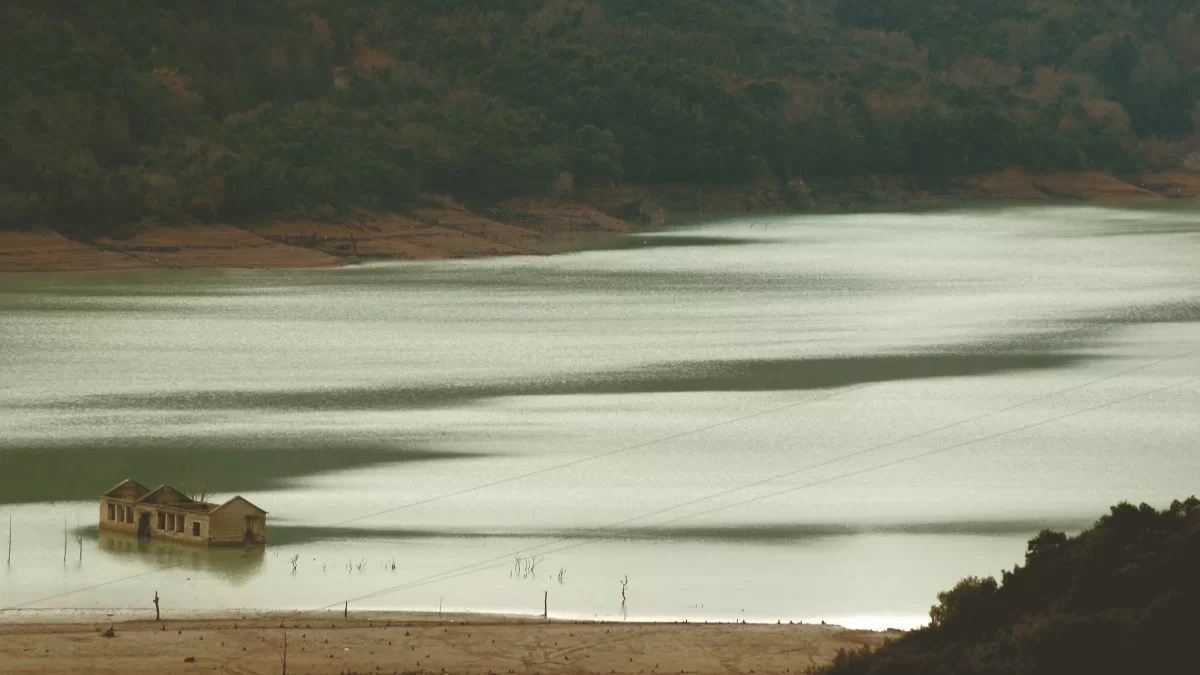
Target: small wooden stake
[[545, 604], [156, 616]]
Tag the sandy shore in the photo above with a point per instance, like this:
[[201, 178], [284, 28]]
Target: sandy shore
[[442, 228], [403, 643]]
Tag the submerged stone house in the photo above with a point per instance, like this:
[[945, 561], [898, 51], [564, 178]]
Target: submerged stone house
[[167, 513]]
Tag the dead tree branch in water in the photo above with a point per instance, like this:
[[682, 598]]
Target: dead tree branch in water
[[79, 540]]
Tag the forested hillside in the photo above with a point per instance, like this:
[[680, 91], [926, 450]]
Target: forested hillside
[[123, 110], [1118, 598]]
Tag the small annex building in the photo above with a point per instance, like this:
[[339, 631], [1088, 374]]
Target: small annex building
[[167, 513]]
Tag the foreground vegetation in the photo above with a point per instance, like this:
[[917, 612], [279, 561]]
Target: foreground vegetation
[[127, 109], [1121, 597]]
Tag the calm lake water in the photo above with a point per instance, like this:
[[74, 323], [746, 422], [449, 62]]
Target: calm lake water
[[788, 418]]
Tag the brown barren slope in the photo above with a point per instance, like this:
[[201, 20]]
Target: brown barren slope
[[553, 217], [441, 228], [387, 236], [212, 246], [52, 252], [1092, 186], [1008, 184], [477, 645], [1173, 184]]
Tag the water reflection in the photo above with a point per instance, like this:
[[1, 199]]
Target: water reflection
[[236, 565]]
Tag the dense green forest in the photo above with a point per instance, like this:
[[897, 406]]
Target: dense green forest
[[123, 110], [1122, 597]]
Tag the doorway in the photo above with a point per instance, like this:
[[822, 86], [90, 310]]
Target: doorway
[[256, 531], [143, 525]]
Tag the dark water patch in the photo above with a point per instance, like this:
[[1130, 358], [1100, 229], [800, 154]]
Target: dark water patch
[[1076, 335], [1186, 311], [78, 307], [80, 471], [188, 296], [1142, 229], [344, 284], [304, 534], [683, 377], [786, 533], [280, 534], [795, 532], [815, 374], [1036, 352], [291, 400], [561, 280], [768, 533], [142, 284], [634, 242], [986, 528]]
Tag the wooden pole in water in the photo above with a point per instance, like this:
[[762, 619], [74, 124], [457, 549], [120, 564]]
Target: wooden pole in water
[[9, 561], [64, 541], [545, 604]]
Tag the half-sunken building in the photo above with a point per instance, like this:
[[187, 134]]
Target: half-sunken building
[[167, 513]]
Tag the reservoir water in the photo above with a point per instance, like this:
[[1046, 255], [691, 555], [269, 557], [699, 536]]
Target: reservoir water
[[760, 418]]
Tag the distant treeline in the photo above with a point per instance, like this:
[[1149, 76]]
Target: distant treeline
[[1122, 597], [126, 109]]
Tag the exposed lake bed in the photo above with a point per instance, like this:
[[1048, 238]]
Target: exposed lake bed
[[785, 418]]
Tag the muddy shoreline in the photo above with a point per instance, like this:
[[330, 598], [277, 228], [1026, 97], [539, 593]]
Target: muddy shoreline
[[441, 228], [416, 643]]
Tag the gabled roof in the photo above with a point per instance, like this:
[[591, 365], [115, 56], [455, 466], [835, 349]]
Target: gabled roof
[[239, 498], [137, 488], [167, 496], [166, 492]]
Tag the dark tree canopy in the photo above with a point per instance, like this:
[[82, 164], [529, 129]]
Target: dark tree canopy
[[1122, 597], [127, 109]]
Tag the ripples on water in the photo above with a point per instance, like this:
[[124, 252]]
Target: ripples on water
[[764, 418]]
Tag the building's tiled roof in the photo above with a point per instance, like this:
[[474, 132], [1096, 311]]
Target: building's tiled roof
[[239, 498], [138, 489], [183, 502], [153, 494]]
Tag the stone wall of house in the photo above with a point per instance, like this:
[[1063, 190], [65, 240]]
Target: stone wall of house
[[229, 523], [122, 522], [186, 535], [226, 526]]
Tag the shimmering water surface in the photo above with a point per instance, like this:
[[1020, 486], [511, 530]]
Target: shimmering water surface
[[789, 418]]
